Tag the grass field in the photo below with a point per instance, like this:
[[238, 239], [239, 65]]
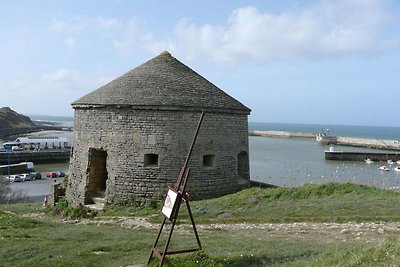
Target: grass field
[[312, 225]]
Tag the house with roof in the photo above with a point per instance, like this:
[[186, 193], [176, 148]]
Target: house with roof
[[131, 136]]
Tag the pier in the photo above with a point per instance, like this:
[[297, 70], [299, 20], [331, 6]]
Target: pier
[[333, 140], [361, 156], [368, 143], [282, 134]]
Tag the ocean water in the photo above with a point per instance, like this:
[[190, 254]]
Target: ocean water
[[292, 162]]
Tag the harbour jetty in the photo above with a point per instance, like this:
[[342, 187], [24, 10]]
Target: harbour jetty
[[333, 140], [282, 134], [331, 154], [368, 143]]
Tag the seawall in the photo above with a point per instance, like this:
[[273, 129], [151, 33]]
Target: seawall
[[368, 143], [282, 134], [43, 156], [334, 140], [361, 156]]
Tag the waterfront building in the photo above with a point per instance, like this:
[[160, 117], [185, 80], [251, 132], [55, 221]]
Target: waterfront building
[[38, 142], [131, 136]]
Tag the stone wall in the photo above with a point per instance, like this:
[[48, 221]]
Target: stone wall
[[127, 135]]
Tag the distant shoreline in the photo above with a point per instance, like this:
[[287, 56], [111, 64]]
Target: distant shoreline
[[41, 126]]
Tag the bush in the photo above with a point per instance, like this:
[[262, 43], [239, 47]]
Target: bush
[[8, 196], [62, 207]]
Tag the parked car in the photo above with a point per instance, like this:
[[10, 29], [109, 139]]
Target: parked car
[[51, 175], [36, 175], [25, 177], [60, 174], [16, 148], [14, 178]]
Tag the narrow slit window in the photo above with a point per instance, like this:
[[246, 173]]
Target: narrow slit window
[[151, 160], [208, 161]]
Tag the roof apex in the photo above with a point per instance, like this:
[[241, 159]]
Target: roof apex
[[162, 81]]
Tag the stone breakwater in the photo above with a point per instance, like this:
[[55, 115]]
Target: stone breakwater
[[334, 140], [369, 143], [283, 134]]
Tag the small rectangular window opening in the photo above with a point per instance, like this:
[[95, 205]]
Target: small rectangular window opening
[[151, 160], [208, 160]]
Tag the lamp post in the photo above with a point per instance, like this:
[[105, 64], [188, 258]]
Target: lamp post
[[9, 153]]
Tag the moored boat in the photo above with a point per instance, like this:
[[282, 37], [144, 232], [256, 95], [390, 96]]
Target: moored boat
[[384, 168], [368, 161]]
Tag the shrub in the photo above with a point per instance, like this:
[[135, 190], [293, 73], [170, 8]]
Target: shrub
[[62, 207], [8, 196]]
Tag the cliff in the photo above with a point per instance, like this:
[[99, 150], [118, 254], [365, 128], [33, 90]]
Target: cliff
[[11, 119]]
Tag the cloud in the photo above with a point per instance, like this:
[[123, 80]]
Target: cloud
[[325, 30]]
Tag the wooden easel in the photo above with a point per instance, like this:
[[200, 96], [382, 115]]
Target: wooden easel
[[176, 196]]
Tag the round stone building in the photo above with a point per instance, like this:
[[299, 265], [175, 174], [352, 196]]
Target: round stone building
[[132, 135]]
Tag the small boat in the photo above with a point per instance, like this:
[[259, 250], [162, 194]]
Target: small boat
[[368, 161], [396, 169], [390, 162], [398, 162], [384, 168]]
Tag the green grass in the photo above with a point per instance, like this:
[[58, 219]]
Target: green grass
[[29, 237], [330, 202], [32, 242]]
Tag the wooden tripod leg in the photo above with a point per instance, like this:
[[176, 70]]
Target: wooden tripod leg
[[193, 224], [155, 243], [171, 230]]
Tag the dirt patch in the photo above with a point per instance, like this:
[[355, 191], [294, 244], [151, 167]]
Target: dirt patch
[[364, 231]]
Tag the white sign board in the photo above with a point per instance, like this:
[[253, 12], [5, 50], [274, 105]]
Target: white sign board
[[169, 204]]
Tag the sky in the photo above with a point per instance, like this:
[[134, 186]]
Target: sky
[[316, 62]]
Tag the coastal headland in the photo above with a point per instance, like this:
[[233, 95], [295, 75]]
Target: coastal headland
[[334, 140]]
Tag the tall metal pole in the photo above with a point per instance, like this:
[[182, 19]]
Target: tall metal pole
[[9, 168]]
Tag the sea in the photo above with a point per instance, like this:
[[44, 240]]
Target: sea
[[293, 162]]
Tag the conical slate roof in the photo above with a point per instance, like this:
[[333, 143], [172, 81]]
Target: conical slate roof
[[162, 82]]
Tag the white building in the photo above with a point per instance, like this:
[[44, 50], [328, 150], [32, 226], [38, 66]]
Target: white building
[[39, 142]]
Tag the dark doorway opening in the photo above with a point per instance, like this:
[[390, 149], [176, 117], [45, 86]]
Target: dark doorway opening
[[243, 165], [97, 175]]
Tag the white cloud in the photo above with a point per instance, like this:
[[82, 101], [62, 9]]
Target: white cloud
[[327, 29]]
